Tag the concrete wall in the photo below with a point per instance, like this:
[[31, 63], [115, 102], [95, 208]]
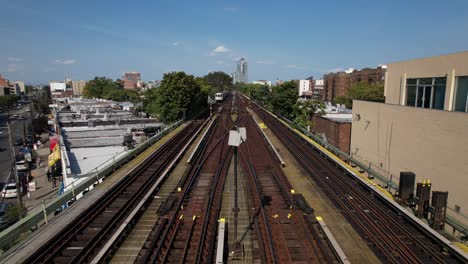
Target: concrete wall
[[431, 143], [450, 66]]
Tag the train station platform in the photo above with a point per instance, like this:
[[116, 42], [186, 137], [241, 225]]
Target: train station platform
[[21, 251], [352, 244]]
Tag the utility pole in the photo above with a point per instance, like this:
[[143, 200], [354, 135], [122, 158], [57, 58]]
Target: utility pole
[[13, 158], [33, 132]]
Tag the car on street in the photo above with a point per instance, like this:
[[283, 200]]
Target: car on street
[[14, 116], [22, 165], [9, 191]]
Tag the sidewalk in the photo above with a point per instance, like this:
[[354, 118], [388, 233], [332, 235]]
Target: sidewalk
[[44, 190]]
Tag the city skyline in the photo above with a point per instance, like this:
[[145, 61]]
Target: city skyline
[[212, 36]]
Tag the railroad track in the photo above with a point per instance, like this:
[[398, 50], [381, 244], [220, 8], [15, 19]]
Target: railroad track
[[83, 237], [286, 233], [186, 229], [392, 237]]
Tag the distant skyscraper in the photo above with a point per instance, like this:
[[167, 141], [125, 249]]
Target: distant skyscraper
[[241, 75]]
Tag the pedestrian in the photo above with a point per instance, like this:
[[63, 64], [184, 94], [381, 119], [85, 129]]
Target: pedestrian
[[54, 182]]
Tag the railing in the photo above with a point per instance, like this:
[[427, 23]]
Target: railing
[[38, 215]]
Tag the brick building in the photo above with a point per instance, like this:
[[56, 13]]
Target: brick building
[[335, 84], [4, 82], [336, 130], [338, 84], [317, 89], [131, 80]]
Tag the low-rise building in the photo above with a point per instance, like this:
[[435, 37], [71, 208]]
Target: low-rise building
[[335, 129], [131, 80], [78, 87], [422, 126], [20, 85]]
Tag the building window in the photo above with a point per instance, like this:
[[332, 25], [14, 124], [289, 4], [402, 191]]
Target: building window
[[461, 95], [426, 92]]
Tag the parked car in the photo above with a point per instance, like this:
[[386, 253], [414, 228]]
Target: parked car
[[14, 116], [9, 191], [22, 165]]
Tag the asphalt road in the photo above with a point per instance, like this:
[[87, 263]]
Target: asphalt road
[[17, 132]]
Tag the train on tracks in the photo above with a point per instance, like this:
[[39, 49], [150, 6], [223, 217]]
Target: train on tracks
[[221, 96]]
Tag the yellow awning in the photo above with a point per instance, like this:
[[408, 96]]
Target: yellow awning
[[54, 157]]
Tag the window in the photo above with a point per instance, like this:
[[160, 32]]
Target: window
[[426, 92], [461, 94]]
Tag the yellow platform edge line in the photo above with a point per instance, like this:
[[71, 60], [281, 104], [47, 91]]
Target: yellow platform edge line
[[340, 161], [461, 246]]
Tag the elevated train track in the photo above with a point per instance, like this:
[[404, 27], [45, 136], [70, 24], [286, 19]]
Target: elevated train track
[[85, 235], [393, 237], [282, 225]]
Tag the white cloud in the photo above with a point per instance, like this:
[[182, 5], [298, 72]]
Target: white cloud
[[266, 62], [175, 44], [291, 66], [220, 49], [219, 62], [14, 59], [65, 62]]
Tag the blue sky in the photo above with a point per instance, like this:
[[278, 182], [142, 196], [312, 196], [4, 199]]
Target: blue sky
[[46, 40]]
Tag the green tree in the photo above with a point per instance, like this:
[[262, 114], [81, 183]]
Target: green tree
[[344, 100], [362, 91], [283, 98], [177, 95], [305, 110], [98, 87], [8, 100], [14, 212], [258, 92], [219, 81]]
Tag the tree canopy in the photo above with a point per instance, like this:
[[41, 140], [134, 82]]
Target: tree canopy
[[305, 110], [8, 100], [219, 81], [283, 98], [362, 91], [106, 88], [177, 95]]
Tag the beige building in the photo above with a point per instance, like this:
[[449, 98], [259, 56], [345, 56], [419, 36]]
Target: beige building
[[78, 87], [20, 85], [422, 126]]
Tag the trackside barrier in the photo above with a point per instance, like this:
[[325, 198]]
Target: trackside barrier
[[38, 215]]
